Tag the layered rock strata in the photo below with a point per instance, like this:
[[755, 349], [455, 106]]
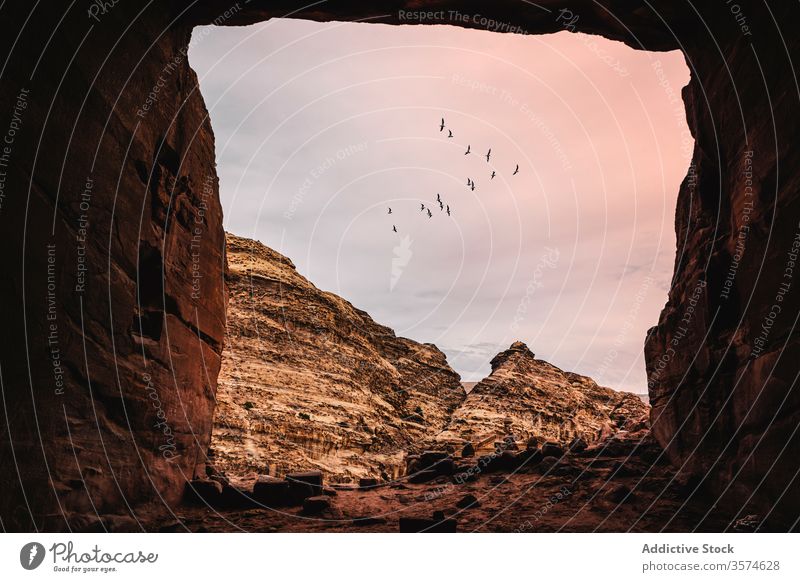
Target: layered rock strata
[[525, 398], [310, 382]]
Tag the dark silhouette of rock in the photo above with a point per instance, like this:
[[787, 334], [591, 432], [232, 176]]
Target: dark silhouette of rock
[[271, 491], [304, 484], [577, 445], [203, 492], [235, 497], [423, 476], [551, 449], [467, 501], [316, 505]]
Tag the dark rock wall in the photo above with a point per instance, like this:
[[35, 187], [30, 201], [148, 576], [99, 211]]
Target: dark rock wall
[[722, 362], [108, 373], [719, 412]]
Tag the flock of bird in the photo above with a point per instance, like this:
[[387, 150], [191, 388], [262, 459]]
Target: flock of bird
[[470, 181]]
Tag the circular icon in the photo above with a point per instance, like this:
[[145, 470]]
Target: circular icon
[[31, 555]]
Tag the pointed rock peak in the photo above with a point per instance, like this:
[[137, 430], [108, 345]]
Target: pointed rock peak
[[520, 347], [517, 349]]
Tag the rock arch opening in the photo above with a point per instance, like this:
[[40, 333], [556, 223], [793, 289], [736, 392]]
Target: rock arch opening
[[726, 402], [572, 255]]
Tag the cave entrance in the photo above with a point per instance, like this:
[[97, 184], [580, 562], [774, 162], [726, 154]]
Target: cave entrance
[[321, 128]]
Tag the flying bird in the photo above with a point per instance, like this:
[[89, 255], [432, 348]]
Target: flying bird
[[449, 133], [493, 174], [516, 170], [421, 207], [488, 154], [466, 152], [441, 127], [438, 197], [394, 228], [441, 205], [469, 182], [390, 210], [448, 210], [429, 213]]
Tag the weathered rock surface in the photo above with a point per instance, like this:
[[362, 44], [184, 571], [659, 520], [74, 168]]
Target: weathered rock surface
[[525, 398], [621, 483], [112, 253], [724, 391], [309, 381]]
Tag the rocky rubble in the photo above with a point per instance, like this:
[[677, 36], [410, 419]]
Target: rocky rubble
[[619, 483]]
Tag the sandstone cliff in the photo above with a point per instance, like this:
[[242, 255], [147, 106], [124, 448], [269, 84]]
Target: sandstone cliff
[[525, 397], [310, 382], [724, 390]]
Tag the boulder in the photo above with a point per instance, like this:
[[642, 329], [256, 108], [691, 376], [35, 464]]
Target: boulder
[[271, 492], [221, 479], [234, 497], [304, 484], [509, 443], [504, 461], [316, 505], [529, 458], [203, 492], [467, 501], [445, 466], [429, 458], [552, 449], [578, 445], [532, 443], [439, 461], [423, 476]]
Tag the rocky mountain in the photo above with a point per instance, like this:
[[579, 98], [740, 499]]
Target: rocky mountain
[[310, 382], [525, 397]]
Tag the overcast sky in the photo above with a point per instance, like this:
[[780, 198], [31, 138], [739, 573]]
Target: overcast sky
[[320, 128]]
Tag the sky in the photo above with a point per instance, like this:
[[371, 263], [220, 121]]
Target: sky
[[322, 127]]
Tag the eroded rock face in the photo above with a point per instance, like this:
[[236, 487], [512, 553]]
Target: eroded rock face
[[723, 413], [528, 398], [310, 382], [112, 249]]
